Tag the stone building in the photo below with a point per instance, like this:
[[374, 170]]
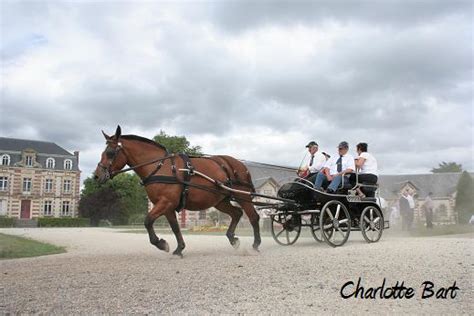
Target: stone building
[[38, 179]]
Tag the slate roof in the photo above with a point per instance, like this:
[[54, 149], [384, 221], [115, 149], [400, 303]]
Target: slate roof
[[14, 147], [13, 144], [441, 184], [262, 172]]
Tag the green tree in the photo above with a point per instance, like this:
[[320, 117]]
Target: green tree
[[177, 144], [447, 167], [118, 200], [464, 203]]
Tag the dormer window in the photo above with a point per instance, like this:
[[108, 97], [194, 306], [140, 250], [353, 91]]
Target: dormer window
[[5, 160], [50, 163], [29, 161], [68, 164]]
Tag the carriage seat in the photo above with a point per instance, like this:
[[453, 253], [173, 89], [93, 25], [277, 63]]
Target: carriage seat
[[368, 189]]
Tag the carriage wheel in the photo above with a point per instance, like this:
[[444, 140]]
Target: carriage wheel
[[286, 228], [371, 224], [335, 223], [316, 229]]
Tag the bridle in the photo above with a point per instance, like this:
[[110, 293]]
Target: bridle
[[111, 154]]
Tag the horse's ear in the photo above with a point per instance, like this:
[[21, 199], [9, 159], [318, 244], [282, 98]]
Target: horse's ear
[[107, 137], [118, 132]]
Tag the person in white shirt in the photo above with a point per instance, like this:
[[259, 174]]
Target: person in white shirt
[[314, 163], [367, 166], [335, 168]]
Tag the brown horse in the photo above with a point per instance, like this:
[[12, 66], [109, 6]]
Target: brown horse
[[151, 160]]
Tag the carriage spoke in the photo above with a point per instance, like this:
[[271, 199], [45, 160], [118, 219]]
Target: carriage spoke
[[376, 220], [280, 233], [337, 211], [330, 214], [371, 214], [342, 234], [343, 221], [325, 227], [367, 228], [287, 236], [366, 219]]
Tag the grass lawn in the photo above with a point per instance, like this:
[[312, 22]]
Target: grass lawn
[[19, 247]]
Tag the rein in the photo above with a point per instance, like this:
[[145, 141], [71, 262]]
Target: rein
[[144, 164]]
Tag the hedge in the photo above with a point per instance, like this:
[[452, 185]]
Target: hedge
[[63, 222], [6, 221]]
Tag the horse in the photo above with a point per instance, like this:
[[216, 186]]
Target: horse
[[172, 182]]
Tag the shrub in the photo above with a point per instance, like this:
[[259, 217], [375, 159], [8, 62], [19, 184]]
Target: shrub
[[6, 221], [63, 222]]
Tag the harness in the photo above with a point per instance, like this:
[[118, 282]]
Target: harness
[[189, 171]]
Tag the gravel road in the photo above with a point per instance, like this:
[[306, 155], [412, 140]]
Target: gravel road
[[105, 271]]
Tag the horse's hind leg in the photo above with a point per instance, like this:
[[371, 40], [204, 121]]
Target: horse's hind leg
[[235, 214], [157, 210], [253, 218], [173, 221]]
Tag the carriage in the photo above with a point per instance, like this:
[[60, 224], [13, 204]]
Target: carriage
[[330, 217]]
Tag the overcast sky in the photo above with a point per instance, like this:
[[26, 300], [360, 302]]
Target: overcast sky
[[256, 81]]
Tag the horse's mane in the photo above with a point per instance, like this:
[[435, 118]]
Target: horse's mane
[[144, 140]]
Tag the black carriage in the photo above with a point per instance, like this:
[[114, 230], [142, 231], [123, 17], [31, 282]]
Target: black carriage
[[330, 217]]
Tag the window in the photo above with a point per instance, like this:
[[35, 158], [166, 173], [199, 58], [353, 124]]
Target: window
[[5, 161], [26, 184], [67, 186], [50, 163], [48, 208], [68, 164], [202, 214], [3, 207], [48, 185], [65, 208], [3, 183], [29, 161]]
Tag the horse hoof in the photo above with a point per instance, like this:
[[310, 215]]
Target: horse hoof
[[236, 243], [255, 247], [178, 253], [163, 245]]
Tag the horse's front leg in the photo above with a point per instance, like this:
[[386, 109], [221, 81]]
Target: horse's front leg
[[173, 221], [158, 209]]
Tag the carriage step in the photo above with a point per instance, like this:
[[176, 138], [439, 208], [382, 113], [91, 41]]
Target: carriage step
[[309, 212], [304, 212]]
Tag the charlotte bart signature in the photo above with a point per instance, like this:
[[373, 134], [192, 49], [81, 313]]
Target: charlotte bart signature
[[398, 291]]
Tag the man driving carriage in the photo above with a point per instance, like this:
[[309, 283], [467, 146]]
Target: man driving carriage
[[335, 169], [314, 163]]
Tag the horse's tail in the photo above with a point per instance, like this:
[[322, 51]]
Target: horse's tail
[[239, 174]]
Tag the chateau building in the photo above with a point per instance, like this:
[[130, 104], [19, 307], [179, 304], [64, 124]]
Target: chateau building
[[38, 179]]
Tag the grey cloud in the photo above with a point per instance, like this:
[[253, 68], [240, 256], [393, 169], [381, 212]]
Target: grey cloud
[[238, 16], [376, 83]]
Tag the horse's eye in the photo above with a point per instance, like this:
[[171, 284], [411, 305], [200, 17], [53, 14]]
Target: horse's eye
[[110, 153]]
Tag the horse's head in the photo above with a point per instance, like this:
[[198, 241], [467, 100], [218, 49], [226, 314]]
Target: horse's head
[[113, 158]]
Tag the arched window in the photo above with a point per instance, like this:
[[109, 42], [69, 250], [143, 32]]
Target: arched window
[[68, 164], [5, 161], [50, 163]]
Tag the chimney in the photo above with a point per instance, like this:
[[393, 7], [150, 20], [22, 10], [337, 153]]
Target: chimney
[[76, 154]]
